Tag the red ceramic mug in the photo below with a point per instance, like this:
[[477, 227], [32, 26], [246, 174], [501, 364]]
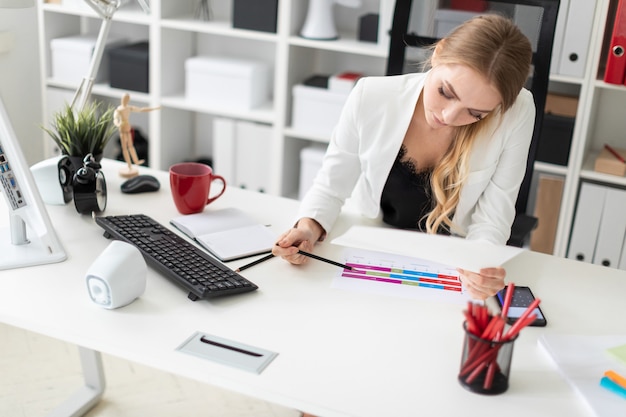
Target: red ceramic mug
[[190, 183]]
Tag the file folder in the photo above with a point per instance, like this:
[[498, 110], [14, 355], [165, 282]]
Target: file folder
[[612, 229], [622, 260], [253, 169], [582, 244], [224, 149], [559, 34], [615, 71], [576, 37]]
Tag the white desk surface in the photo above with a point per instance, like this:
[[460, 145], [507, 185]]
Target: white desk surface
[[340, 353]]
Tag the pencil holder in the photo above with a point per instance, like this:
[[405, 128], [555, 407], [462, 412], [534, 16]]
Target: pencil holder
[[485, 364]]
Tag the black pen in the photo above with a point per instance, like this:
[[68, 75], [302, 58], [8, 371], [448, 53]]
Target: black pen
[[258, 261], [319, 258]]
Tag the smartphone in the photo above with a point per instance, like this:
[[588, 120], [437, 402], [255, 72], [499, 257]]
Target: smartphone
[[522, 298]]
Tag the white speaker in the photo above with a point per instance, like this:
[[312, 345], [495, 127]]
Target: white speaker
[[320, 20], [52, 177], [118, 276]]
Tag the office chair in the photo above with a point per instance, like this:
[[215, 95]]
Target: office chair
[[401, 39]]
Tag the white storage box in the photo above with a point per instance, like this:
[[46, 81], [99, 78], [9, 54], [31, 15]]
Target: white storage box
[[71, 57], [310, 163], [316, 110], [227, 82]]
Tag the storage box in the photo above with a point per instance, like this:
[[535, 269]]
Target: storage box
[[71, 57], [255, 15], [227, 82], [316, 110], [310, 163], [608, 163], [129, 67], [561, 105], [368, 27]]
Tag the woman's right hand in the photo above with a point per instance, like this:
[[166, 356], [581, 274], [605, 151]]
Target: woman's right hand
[[302, 236]]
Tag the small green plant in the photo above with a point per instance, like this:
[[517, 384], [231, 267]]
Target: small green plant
[[87, 131]]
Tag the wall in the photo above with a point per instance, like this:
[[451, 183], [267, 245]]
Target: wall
[[20, 86]]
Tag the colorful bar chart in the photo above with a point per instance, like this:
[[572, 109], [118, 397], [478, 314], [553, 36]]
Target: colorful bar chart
[[389, 274], [436, 280]]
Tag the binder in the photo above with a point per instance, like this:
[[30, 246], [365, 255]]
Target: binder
[[224, 149], [252, 167], [576, 37], [612, 229], [615, 71], [582, 244], [559, 33], [622, 261]]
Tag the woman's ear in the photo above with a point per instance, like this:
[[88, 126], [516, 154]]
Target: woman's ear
[[436, 52]]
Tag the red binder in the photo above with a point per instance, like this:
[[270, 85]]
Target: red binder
[[615, 72]]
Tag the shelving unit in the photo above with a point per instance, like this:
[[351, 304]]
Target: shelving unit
[[181, 130], [600, 119]]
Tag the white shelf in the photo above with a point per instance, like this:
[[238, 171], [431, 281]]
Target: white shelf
[[550, 168], [223, 28], [126, 15], [297, 134], [588, 173], [183, 130], [346, 43], [263, 114]]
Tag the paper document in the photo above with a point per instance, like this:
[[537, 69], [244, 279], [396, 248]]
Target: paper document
[[401, 276], [448, 250], [582, 360], [227, 233]]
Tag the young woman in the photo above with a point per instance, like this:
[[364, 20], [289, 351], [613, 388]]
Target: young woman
[[442, 151]]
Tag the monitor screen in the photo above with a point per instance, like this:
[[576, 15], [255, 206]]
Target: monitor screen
[[28, 237]]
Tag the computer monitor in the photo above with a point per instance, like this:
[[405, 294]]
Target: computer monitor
[[30, 238]]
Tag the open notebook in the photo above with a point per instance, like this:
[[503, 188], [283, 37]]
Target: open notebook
[[228, 233]]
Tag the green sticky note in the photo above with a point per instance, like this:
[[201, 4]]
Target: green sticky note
[[619, 352]]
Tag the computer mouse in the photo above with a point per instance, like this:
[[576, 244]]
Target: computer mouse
[[140, 184]]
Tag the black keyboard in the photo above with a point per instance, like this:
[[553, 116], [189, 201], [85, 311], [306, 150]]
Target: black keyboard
[[176, 258]]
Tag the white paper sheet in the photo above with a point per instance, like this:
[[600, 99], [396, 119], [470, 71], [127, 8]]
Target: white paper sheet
[[458, 252], [582, 360]]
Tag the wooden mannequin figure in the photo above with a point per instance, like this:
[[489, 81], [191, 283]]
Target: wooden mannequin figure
[[120, 119]]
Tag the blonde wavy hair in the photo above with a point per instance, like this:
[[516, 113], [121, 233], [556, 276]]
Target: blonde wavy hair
[[493, 46]]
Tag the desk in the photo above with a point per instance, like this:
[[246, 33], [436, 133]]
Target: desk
[[340, 353]]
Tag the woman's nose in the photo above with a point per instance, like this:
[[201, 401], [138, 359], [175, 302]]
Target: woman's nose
[[451, 114]]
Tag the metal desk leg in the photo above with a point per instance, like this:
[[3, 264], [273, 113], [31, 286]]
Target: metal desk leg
[[87, 396]]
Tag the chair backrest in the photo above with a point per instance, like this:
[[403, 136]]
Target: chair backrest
[[536, 18]]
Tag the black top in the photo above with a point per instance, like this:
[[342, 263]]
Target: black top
[[407, 198]]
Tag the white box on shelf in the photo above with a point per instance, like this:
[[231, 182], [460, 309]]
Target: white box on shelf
[[71, 57], [343, 82], [227, 82], [310, 163], [316, 110]]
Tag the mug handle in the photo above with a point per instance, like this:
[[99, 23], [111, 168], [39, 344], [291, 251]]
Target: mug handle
[[217, 177]]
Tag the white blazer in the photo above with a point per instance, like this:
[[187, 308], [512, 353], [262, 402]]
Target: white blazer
[[367, 139]]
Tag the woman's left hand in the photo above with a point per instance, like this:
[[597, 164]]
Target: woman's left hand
[[483, 284]]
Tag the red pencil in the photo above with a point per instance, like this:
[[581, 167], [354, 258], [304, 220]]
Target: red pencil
[[615, 153], [508, 296]]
